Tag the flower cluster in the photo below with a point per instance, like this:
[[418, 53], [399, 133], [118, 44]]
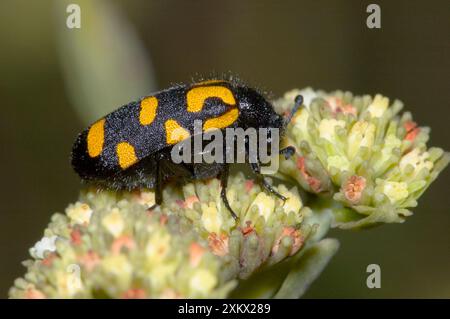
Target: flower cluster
[[358, 150], [112, 245], [363, 163]]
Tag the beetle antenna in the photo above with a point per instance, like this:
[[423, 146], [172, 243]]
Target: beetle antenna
[[298, 102]]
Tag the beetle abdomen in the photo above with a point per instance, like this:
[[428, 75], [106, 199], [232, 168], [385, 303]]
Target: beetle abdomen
[[141, 129]]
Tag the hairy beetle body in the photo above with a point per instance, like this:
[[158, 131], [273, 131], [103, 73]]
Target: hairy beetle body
[[130, 147]]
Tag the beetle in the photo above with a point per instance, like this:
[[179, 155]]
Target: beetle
[[130, 147]]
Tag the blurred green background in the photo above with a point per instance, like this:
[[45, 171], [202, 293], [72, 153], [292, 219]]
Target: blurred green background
[[54, 81]]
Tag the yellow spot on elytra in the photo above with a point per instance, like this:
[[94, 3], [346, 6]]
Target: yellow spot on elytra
[[196, 97], [126, 155], [148, 110], [175, 132], [96, 138], [222, 121]]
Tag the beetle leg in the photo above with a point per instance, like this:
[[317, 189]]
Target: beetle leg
[[263, 182], [288, 152], [297, 103], [158, 189], [223, 191]]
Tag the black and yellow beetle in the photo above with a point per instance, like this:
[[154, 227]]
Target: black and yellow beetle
[[130, 147]]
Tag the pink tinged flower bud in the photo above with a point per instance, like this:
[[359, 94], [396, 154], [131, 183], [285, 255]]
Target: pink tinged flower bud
[[191, 200], [247, 230], [163, 220], [296, 236], [188, 203], [412, 130], [313, 182], [170, 294], [353, 188], [337, 105], [196, 252], [134, 294], [180, 203], [218, 244], [32, 293], [48, 260], [122, 242], [75, 237], [89, 261], [249, 185]]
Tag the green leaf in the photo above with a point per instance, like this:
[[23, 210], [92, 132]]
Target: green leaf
[[307, 268], [105, 64], [262, 284]]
